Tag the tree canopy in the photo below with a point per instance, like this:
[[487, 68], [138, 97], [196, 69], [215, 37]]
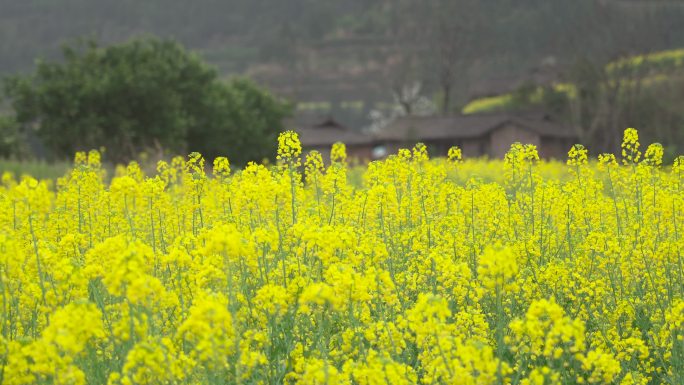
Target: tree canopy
[[140, 95]]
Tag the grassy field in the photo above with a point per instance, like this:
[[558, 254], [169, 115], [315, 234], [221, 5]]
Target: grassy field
[[431, 271]]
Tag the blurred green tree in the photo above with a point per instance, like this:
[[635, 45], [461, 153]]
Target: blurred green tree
[[11, 145], [144, 95]]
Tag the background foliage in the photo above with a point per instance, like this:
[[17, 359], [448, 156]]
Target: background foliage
[[144, 94], [354, 53]]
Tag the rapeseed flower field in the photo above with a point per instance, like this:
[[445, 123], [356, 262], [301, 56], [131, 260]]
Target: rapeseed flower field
[[292, 274]]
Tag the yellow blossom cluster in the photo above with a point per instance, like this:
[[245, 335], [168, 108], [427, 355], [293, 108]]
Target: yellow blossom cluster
[[409, 270]]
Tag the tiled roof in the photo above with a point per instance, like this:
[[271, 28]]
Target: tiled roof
[[328, 132], [415, 129], [467, 126]]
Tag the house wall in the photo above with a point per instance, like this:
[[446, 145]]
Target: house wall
[[475, 148], [556, 148], [435, 148], [440, 148], [362, 152], [502, 138], [471, 148], [393, 147], [324, 150]]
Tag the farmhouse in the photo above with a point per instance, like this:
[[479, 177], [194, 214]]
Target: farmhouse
[[478, 135]]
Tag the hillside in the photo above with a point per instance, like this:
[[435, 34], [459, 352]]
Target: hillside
[[345, 56]]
